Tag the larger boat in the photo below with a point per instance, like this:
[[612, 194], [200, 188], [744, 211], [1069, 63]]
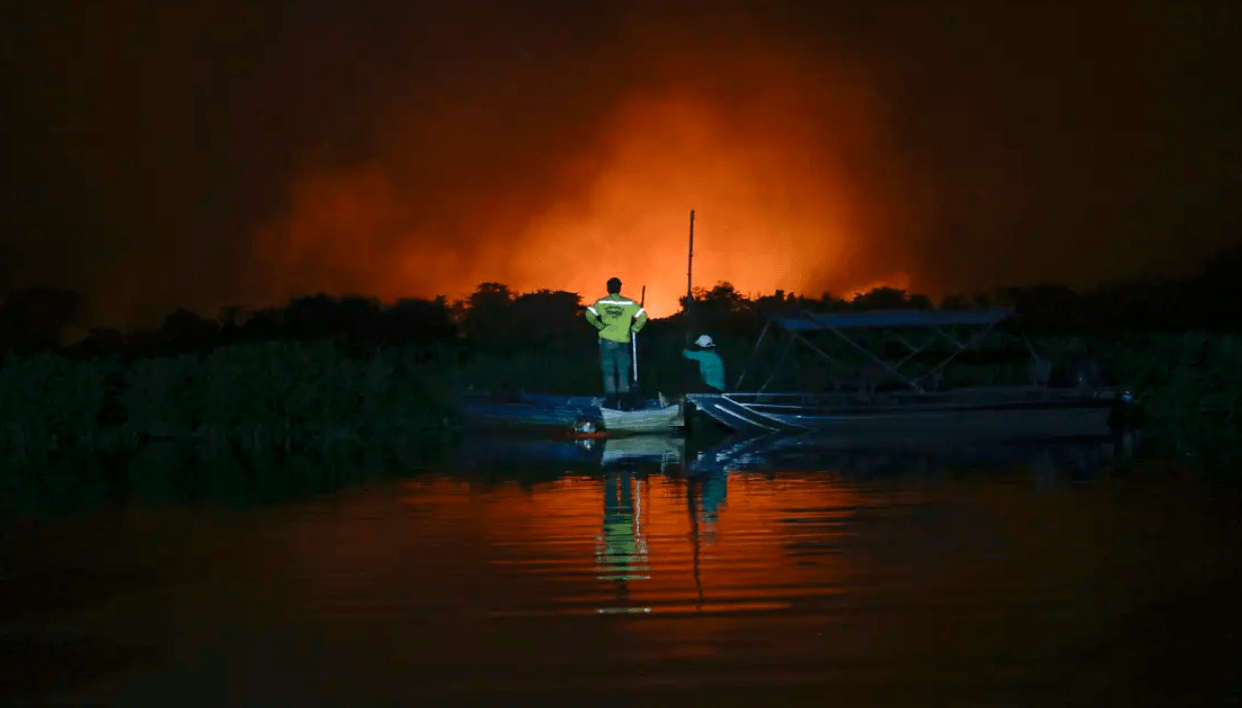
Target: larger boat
[[877, 399]]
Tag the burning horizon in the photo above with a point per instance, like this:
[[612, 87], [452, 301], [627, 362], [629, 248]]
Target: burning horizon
[[395, 149], [784, 163]]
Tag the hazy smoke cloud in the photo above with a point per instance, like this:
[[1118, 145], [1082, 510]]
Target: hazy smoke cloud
[[784, 159], [232, 152]]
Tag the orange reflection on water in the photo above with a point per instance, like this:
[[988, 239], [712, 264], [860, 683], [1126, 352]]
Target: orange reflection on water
[[624, 543]]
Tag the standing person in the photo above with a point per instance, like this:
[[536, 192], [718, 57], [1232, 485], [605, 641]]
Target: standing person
[[711, 366], [617, 318]]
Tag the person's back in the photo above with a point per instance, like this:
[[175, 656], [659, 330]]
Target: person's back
[[616, 315], [617, 318], [711, 366]]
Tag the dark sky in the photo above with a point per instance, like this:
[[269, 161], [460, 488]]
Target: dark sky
[[198, 153]]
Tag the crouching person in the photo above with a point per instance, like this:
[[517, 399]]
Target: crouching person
[[711, 366]]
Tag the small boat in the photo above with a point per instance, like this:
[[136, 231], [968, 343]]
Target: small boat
[[582, 415], [648, 420], [915, 406]]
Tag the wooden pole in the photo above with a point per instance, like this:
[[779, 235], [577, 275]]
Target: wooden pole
[[690, 278], [690, 259], [634, 338]]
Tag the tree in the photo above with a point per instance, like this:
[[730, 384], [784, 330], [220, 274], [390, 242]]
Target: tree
[[420, 320], [954, 302], [184, 331], [487, 312], [920, 302], [100, 342], [546, 314], [881, 299], [34, 319]]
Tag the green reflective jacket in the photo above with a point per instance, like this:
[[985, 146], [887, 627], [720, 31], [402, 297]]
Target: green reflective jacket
[[615, 316]]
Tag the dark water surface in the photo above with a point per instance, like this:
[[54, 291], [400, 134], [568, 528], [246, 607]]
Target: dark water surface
[[636, 584]]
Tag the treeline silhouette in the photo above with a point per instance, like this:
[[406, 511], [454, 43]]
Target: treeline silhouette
[[497, 320], [327, 376]]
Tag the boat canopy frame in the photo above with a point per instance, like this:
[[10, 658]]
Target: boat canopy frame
[[889, 321]]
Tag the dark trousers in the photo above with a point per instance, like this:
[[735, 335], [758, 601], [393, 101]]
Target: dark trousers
[[615, 359], [697, 386]]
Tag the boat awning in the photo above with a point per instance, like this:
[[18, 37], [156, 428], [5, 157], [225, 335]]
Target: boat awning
[[895, 319]]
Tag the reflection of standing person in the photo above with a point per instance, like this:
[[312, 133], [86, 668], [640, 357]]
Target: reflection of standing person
[[616, 317], [621, 552]]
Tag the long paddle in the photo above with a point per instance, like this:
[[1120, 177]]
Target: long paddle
[[634, 338]]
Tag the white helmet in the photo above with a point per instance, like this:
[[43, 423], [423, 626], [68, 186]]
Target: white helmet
[[704, 341]]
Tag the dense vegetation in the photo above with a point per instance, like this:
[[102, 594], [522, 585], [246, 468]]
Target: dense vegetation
[[325, 376]]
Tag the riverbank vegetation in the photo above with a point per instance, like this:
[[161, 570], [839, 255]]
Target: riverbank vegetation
[[323, 371]]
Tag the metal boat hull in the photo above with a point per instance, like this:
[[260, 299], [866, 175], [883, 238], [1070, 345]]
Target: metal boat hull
[[1017, 413]]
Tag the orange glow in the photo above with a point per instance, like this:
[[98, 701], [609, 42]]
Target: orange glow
[[565, 519], [783, 160]]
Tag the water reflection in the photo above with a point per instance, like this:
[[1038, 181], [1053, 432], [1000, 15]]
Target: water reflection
[[621, 549], [1082, 460], [515, 452], [760, 572], [667, 450], [1045, 462]]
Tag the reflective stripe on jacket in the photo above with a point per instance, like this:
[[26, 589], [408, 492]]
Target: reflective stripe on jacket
[[615, 316]]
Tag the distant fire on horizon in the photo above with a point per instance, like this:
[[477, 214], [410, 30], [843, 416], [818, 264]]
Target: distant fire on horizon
[[401, 150], [781, 179]]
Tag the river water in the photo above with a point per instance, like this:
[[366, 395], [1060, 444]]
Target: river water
[[637, 575]]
